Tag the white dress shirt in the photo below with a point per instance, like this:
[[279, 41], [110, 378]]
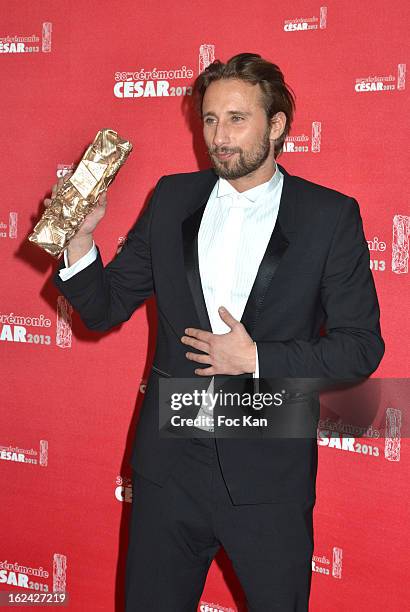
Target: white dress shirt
[[234, 233], [233, 236]]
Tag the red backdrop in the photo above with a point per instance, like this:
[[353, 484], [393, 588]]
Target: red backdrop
[[69, 397]]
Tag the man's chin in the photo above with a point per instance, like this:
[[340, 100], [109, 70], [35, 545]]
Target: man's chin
[[222, 169], [226, 173], [222, 173]]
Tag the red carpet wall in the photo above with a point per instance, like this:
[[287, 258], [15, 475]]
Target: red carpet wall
[[70, 397]]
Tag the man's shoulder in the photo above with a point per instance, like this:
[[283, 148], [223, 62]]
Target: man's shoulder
[[315, 203], [318, 192]]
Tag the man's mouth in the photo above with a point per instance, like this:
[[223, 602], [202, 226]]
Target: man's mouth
[[223, 156]]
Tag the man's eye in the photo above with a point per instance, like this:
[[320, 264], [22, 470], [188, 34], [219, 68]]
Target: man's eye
[[209, 120], [236, 118]]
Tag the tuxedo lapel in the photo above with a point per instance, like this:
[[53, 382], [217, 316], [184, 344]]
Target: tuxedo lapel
[[280, 238], [190, 229], [279, 241]]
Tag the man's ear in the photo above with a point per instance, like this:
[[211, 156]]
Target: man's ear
[[278, 124]]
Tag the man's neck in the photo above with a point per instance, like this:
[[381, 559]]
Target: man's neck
[[253, 179]]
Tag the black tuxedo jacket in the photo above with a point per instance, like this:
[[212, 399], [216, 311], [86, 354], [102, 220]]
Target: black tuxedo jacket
[[315, 273]]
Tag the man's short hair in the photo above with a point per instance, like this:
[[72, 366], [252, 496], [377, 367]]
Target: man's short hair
[[250, 67]]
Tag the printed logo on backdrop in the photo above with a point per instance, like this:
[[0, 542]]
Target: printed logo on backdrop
[[25, 329], [303, 24], [62, 169], [33, 329], [387, 82], [123, 489], [204, 606], [400, 244], [153, 83], [322, 564], [379, 251], [63, 323], [302, 143], [160, 82], [24, 455], [369, 441], [36, 578], [17, 43], [8, 227], [205, 57]]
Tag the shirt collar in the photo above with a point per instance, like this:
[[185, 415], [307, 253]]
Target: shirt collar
[[249, 196]]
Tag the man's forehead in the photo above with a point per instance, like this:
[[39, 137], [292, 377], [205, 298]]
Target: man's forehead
[[231, 92]]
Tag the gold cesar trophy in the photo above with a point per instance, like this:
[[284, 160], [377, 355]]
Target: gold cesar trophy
[[78, 194]]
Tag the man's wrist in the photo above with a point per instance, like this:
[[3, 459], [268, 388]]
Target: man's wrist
[[78, 247]]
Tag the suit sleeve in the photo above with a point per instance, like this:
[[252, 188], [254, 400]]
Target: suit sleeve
[[105, 297], [352, 346], [80, 264]]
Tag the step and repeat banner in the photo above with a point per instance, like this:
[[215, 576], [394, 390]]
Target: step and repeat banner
[[70, 397]]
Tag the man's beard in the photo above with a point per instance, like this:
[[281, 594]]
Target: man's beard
[[246, 162]]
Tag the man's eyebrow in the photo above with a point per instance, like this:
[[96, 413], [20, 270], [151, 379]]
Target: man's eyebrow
[[231, 112]]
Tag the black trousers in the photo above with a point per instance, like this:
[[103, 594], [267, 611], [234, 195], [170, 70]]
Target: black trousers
[[177, 529]]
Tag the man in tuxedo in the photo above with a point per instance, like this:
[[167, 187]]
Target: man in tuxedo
[[288, 262]]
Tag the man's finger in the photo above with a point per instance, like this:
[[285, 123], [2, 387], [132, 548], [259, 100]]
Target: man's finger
[[199, 358], [205, 372], [201, 334], [202, 346], [227, 317]]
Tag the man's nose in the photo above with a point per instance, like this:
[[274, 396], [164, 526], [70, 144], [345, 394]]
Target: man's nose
[[221, 135]]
